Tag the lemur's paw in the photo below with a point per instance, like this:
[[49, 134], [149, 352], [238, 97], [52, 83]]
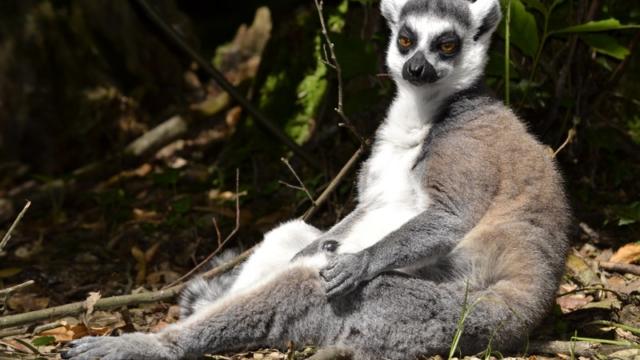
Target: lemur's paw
[[344, 273], [129, 346]]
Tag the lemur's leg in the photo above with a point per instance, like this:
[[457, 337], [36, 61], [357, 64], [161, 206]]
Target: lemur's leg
[[392, 316], [271, 256]]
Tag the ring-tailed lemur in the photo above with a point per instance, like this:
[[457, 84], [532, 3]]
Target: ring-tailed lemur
[[457, 201]]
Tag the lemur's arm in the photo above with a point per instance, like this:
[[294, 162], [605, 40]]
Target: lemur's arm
[[461, 182]]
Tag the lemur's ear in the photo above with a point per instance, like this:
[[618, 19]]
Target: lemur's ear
[[486, 15], [390, 9]]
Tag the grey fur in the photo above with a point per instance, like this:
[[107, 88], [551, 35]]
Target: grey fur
[[494, 233], [454, 10], [199, 293]]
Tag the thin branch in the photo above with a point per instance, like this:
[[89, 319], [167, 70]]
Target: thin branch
[[302, 187], [7, 236], [335, 64], [570, 135], [221, 244], [620, 268], [11, 289], [335, 182]]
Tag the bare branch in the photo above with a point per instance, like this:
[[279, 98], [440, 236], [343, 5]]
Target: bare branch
[[7, 235], [570, 135], [302, 187], [11, 289], [620, 268], [334, 183], [335, 65]]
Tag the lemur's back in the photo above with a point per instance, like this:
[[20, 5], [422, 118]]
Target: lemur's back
[[480, 164]]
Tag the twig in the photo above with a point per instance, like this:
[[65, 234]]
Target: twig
[[334, 183], [335, 64], [162, 134], [221, 244], [11, 289], [78, 307], [223, 82], [302, 187], [620, 268], [7, 236], [570, 135]]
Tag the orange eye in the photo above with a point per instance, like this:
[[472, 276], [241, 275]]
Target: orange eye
[[404, 41], [448, 47]]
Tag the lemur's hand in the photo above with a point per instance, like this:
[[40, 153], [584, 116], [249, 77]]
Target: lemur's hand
[[345, 272]]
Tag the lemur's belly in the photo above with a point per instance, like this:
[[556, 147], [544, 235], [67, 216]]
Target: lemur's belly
[[392, 195]]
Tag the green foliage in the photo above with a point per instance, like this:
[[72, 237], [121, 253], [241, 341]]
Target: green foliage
[[311, 92], [605, 44], [43, 341], [523, 27]]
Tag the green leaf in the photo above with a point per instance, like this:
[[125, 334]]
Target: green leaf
[[595, 26], [524, 29], [538, 5], [43, 341], [606, 45]]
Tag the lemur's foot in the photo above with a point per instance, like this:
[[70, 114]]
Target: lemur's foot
[[129, 346]]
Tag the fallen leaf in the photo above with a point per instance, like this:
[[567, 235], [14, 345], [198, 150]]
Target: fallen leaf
[[27, 302], [43, 341], [146, 216], [91, 300], [66, 332], [573, 302], [104, 323], [16, 345], [580, 270], [627, 254]]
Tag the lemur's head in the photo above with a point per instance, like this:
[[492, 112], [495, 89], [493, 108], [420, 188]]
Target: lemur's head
[[439, 43]]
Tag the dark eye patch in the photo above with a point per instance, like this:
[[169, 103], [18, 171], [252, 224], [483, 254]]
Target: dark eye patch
[[446, 37], [406, 31]]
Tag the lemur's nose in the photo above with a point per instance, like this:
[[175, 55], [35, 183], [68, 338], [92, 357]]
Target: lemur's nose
[[415, 69], [418, 70]]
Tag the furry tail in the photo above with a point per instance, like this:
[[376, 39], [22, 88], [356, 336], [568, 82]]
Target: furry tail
[[199, 292]]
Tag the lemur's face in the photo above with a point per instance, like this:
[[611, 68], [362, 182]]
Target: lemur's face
[[437, 42]]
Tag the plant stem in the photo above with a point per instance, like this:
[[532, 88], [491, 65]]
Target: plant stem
[[507, 56]]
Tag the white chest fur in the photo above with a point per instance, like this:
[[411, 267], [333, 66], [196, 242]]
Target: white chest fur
[[390, 192]]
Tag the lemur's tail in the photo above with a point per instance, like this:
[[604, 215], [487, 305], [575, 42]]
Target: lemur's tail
[[200, 292]]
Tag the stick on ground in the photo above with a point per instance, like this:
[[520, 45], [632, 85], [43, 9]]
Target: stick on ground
[[620, 268], [7, 236]]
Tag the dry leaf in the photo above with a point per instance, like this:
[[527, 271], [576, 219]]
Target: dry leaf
[[27, 302], [627, 254], [580, 270], [146, 216], [574, 302], [67, 332], [16, 345], [91, 300]]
